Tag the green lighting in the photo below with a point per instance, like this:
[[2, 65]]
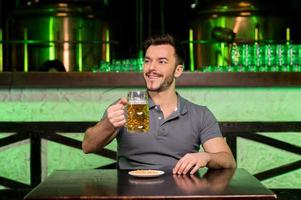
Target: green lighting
[[51, 39], [220, 61], [107, 45], [80, 50], [224, 8], [223, 22], [256, 34], [19, 169], [140, 54], [191, 52], [288, 35], [25, 51], [1, 52], [220, 57], [239, 104]]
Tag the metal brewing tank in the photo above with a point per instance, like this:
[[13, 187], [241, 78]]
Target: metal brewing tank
[[74, 35], [246, 19]]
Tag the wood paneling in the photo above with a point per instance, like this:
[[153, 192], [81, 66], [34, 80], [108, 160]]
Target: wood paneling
[[135, 79]]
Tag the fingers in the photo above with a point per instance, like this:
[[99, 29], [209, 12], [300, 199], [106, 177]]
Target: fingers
[[176, 168], [183, 165], [195, 169], [123, 101], [117, 119], [116, 113], [190, 163]]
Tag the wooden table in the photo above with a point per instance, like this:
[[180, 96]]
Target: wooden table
[[118, 184]]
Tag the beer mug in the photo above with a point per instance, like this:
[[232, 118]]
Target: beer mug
[[137, 112]]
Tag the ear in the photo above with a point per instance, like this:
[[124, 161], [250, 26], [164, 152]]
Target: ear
[[178, 71]]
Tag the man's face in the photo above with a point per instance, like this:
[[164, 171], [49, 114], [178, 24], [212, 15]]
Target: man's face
[[159, 67]]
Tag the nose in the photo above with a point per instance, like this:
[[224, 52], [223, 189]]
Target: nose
[[152, 65]]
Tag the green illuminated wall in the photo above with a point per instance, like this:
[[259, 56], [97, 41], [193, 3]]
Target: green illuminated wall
[[228, 104]]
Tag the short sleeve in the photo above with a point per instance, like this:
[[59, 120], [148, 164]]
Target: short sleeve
[[209, 126], [104, 115]]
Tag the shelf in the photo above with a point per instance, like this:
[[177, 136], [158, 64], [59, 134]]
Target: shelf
[[135, 79]]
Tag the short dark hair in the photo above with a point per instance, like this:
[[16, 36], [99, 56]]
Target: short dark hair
[[167, 39]]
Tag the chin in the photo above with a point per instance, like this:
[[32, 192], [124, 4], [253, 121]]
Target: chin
[[153, 89]]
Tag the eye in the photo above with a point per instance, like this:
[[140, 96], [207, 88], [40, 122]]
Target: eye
[[163, 62], [146, 61]]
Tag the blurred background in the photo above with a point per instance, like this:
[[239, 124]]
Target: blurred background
[[84, 35], [107, 36]]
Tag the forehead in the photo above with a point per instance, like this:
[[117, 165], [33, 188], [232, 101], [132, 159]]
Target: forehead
[[159, 51]]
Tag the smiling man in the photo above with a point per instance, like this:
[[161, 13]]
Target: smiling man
[[177, 127]]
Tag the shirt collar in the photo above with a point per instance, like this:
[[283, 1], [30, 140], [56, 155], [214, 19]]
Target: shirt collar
[[151, 103], [181, 105]]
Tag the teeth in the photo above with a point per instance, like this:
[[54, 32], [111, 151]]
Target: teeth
[[153, 76]]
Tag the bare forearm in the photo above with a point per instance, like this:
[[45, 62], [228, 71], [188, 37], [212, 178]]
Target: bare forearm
[[98, 136], [216, 155], [221, 160]]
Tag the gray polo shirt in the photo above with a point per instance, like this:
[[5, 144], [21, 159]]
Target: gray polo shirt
[[168, 139]]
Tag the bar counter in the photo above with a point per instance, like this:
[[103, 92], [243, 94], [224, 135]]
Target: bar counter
[[135, 79]]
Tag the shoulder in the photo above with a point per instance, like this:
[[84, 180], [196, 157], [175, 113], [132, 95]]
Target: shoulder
[[198, 114], [194, 108]]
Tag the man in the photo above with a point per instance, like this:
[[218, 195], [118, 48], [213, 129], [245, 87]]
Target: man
[[177, 126]]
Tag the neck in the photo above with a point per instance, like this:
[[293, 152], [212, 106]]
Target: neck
[[163, 98], [167, 100]]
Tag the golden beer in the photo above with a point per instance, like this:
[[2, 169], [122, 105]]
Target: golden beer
[[137, 112]]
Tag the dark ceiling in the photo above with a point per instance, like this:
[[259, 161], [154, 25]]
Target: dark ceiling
[[136, 19]]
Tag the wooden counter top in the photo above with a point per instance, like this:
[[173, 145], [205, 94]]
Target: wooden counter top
[[118, 184], [135, 79]]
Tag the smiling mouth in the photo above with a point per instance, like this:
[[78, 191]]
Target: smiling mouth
[[153, 76]]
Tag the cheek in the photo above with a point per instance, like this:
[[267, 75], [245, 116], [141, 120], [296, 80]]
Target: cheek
[[170, 71], [144, 67]]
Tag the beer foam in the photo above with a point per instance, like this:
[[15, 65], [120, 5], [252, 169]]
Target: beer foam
[[137, 101]]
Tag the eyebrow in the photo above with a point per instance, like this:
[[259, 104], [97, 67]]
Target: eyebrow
[[163, 58], [160, 58]]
